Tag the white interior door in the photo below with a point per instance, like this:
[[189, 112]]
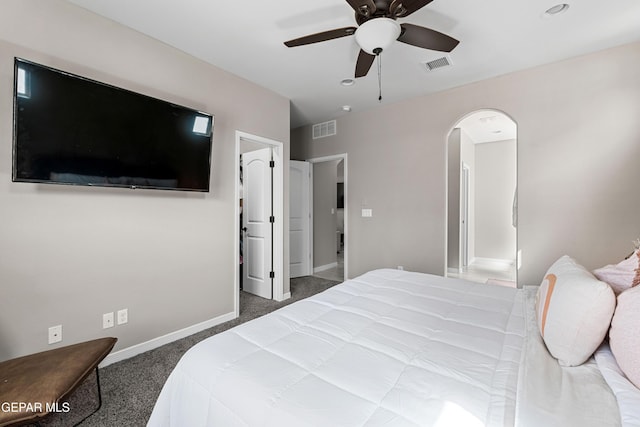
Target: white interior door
[[256, 224], [299, 219], [464, 214]]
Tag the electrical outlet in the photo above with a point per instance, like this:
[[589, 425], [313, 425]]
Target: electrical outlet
[[107, 320], [400, 267], [55, 334], [123, 316]]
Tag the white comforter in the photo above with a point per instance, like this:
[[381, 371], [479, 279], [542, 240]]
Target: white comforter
[[387, 348], [551, 395]]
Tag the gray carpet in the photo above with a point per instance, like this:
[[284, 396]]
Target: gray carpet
[[130, 388]]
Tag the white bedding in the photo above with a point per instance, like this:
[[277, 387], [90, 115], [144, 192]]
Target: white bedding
[[627, 395], [390, 347], [551, 395]]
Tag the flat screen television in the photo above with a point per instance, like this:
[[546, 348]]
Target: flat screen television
[[73, 130]]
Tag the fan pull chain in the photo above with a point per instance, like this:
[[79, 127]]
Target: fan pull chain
[[379, 78]]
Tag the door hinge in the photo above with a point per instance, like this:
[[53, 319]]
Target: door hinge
[[272, 219], [272, 164], [272, 275]]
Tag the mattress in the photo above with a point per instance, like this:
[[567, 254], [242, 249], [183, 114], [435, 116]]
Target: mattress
[[390, 348]]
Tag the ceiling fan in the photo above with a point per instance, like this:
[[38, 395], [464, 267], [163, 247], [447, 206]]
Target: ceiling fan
[[377, 29]]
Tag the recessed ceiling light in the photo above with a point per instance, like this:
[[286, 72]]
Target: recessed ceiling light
[[346, 108], [557, 9], [347, 82]]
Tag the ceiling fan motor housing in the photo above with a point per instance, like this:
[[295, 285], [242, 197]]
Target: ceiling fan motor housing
[[376, 35]]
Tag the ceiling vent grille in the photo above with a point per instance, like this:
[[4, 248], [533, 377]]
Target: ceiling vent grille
[[322, 130], [437, 63]]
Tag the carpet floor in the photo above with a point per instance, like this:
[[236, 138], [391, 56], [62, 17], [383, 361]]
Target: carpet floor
[[131, 387]]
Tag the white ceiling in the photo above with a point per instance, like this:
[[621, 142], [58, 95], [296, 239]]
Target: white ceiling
[[245, 37], [488, 126]]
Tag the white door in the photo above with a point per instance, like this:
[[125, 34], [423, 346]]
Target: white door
[[257, 210], [299, 218], [464, 214]]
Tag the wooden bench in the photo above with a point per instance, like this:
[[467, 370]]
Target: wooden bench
[[32, 387]]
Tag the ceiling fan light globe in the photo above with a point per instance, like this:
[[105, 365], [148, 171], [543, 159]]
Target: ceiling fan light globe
[[377, 33]]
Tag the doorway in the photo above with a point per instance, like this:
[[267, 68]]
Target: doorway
[[482, 199], [260, 239], [328, 212]]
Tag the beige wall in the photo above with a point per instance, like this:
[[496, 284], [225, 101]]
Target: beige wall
[[69, 254], [578, 145], [495, 179]]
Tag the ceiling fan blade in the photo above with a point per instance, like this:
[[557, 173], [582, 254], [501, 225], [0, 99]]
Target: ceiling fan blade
[[364, 63], [321, 37], [402, 8], [426, 38], [363, 7]]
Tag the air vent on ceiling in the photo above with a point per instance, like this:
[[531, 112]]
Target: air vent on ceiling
[[322, 130], [437, 63]]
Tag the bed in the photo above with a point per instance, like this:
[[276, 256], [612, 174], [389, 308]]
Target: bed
[[391, 348]]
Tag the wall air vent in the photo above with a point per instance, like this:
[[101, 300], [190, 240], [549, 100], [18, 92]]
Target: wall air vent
[[322, 130], [437, 63]]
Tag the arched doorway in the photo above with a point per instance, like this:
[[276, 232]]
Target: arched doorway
[[482, 198]]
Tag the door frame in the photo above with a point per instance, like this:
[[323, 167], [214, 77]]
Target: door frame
[[465, 200], [277, 149], [343, 157]]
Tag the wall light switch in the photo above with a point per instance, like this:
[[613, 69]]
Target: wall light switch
[[123, 316], [367, 213]]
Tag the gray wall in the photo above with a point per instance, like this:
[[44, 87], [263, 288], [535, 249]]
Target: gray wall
[[577, 173], [495, 180], [325, 177], [69, 254]]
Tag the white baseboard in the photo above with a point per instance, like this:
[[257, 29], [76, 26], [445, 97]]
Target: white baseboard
[[284, 297], [493, 262], [325, 267], [134, 350]]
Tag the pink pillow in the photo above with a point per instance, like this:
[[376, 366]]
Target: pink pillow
[[623, 275], [624, 336]]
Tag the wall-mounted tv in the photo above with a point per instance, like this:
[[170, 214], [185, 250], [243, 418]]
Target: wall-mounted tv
[[72, 130]]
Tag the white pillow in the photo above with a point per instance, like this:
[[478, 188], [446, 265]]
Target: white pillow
[[624, 336], [574, 311]]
